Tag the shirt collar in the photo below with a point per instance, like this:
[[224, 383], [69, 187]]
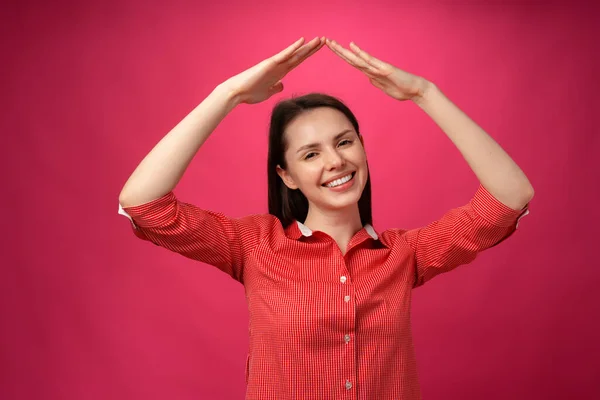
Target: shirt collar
[[297, 229]]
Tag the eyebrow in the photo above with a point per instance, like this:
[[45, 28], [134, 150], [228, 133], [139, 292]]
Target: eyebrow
[[315, 145]]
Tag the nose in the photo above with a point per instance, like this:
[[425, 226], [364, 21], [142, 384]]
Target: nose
[[333, 160]]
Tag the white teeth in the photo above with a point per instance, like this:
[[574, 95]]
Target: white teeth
[[340, 181]]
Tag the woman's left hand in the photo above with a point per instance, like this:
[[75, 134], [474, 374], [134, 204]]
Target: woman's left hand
[[400, 85]]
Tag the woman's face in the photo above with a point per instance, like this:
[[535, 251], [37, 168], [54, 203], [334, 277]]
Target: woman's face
[[323, 148]]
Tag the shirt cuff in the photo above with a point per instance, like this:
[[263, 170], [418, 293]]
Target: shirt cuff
[[494, 211], [153, 213], [123, 212]]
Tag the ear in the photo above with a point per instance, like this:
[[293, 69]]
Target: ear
[[362, 141], [286, 178]]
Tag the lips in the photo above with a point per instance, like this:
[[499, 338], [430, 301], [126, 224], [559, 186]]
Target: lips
[[352, 173]]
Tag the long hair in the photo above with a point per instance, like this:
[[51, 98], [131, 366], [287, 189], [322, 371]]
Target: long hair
[[286, 204]]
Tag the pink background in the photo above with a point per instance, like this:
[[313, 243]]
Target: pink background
[[89, 311]]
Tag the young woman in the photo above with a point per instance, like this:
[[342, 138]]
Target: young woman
[[329, 297]]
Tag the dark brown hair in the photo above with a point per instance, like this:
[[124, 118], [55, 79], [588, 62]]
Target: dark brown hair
[[286, 204]]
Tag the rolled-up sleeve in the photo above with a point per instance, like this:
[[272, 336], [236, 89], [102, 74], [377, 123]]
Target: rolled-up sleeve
[[199, 234], [460, 234]]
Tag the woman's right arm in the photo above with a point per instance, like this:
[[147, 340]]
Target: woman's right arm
[[147, 198], [160, 171]]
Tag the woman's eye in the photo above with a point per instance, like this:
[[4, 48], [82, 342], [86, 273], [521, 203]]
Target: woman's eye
[[343, 142]]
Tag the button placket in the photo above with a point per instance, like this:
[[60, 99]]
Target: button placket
[[347, 336]]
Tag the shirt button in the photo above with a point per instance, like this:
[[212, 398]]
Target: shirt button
[[348, 385], [343, 279], [346, 298], [347, 338]]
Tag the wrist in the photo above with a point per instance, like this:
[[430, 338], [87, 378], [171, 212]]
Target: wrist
[[230, 94], [426, 88]]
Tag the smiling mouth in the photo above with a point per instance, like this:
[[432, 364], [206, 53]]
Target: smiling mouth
[[351, 177]]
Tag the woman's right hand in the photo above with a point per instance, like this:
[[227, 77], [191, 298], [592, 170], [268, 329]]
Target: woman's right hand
[[264, 79]]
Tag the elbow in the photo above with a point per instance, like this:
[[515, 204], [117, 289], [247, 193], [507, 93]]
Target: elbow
[[124, 199], [529, 192], [527, 196], [518, 199], [129, 197]]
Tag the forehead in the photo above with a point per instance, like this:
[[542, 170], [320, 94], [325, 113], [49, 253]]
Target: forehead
[[319, 124]]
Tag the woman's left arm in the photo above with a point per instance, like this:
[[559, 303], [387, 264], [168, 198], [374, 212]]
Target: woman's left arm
[[494, 168]]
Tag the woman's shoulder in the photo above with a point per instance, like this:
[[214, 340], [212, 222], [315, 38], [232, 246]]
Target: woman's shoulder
[[392, 236]]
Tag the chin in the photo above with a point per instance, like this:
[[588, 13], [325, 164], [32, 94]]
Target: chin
[[343, 200]]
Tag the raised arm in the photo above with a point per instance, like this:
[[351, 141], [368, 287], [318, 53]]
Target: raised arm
[[494, 168], [160, 171], [147, 198]]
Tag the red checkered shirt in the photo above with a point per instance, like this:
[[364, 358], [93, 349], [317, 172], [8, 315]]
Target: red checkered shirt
[[324, 325]]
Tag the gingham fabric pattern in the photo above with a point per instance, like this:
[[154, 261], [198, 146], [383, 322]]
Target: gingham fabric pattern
[[327, 325]]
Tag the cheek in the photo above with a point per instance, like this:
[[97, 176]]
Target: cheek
[[362, 162], [313, 175], [361, 159], [307, 176]]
